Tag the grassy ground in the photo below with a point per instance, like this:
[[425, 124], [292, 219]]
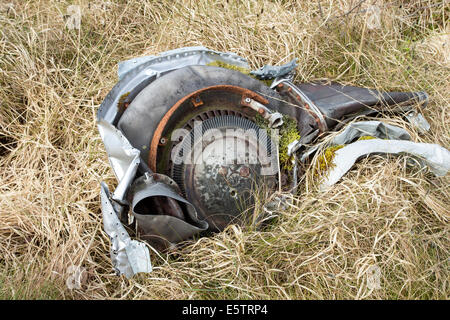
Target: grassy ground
[[325, 245]]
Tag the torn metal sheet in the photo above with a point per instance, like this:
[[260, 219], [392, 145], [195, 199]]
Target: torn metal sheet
[[124, 159], [128, 256], [272, 72], [434, 156], [370, 128], [128, 65], [163, 224]]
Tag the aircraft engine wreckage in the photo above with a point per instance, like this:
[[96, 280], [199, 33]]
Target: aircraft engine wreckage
[[192, 135]]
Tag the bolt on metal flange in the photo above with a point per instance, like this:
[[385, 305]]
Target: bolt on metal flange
[[275, 118]]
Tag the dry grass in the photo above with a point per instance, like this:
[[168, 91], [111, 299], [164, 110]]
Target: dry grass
[[52, 81]]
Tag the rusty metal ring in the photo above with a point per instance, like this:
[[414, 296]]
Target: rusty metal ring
[[155, 142]]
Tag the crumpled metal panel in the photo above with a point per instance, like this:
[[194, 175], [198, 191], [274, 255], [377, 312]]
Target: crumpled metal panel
[[272, 72], [434, 156], [128, 65], [370, 128], [163, 231], [128, 256], [124, 159]]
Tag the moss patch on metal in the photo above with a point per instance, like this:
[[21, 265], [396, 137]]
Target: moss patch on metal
[[325, 160], [221, 64], [288, 133], [366, 138]]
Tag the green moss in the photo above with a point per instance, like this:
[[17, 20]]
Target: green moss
[[325, 160], [261, 122], [221, 64], [288, 133], [366, 138]]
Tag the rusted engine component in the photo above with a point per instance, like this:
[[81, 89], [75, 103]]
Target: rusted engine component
[[151, 115], [274, 119], [218, 196], [167, 101], [221, 185], [297, 97]]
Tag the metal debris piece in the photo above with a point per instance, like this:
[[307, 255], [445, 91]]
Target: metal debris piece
[[434, 156], [128, 256], [418, 121], [335, 102], [370, 128], [359, 129], [162, 225], [124, 159], [128, 65], [275, 119], [220, 184], [286, 87], [271, 72], [395, 141], [278, 202], [146, 121]]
